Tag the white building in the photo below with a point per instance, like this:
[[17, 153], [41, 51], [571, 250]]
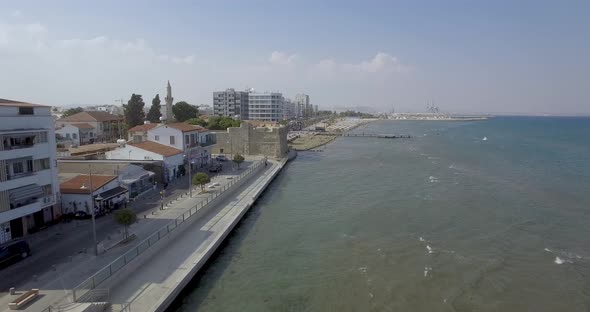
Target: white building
[[172, 158], [76, 133], [106, 127], [194, 141], [265, 106], [289, 109], [28, 173], [303, 105], [231, 103], [106, 189], [107, 108]]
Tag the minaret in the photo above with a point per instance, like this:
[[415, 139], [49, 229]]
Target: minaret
[[167, 115]]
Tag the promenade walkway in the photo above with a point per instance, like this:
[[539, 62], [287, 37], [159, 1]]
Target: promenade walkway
[[56, 286], [159, 280]]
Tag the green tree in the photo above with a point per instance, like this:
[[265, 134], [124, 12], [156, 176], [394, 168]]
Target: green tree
[[125, 217], [238, 159], [154, 114], [201, 179], [72, 111], [222, 123], [183, 111], [198, 122], [133, 111]]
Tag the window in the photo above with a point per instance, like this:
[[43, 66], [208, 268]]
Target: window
[[42, 137], [186, 139], [74, 136], [171, 140], [91, 134], [17, 167], [67, 136], [157, 138], [29, 165], [25, 111]]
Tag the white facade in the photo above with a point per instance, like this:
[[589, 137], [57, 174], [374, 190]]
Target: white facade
[[195, 144], [128, 151], [169, 136], [29, 186], [70, 133], [303, 105], [289, 109], [72, 203], [265, 106]]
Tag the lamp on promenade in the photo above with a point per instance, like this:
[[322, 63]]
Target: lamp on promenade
[[84, 187], [190, 163]]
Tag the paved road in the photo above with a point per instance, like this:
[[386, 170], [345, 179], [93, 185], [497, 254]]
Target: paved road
[[57, 243]]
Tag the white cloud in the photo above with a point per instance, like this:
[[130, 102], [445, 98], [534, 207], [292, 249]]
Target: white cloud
[[36, 38], [380, 63], [281, 58], [16, 13]]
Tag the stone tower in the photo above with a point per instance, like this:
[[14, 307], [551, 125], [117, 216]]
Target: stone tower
[[167, 115]]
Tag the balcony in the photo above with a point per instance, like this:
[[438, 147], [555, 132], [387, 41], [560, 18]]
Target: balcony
[[20, 175], [205, 144], [29, 208]]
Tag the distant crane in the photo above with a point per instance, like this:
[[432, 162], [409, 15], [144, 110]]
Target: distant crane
[[431, 108]]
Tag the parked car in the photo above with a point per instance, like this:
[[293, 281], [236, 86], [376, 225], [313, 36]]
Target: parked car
[[13, 251], [215, 168], [82, 215], [221, 158]]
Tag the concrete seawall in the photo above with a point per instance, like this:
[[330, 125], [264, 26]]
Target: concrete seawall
[[161, 276]]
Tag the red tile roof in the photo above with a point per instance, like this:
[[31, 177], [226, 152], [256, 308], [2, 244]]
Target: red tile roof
[[144, 127], [82, 126], [91, 117], [74, 185], [157, 148]]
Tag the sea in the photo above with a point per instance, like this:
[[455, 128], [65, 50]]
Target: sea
[[442, 221]]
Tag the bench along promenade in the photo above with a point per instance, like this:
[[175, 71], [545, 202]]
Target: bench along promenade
[[124, 276]]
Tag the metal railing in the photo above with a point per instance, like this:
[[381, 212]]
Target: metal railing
[[116, 265]]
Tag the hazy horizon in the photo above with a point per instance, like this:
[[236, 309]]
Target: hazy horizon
[[525, 57]]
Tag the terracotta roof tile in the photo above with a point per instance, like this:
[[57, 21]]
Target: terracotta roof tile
[[144, 127], [157, 148], [82, 126], [74, 185], [91, 117]]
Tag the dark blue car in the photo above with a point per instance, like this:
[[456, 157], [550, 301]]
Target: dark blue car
[[13, 251]]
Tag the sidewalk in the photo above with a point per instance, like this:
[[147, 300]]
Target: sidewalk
[[166, 273], [62, 277], [56, 244]]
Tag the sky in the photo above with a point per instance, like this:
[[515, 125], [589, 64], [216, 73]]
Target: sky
[[528, 57]]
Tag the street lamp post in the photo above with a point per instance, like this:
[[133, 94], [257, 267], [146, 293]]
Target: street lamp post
[[92, 209], [190, 173]]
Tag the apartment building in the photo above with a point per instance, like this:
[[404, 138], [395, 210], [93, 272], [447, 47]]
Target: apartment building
[[231, 103], [289, 109], [267, 106], [303, 105], [29, 186]]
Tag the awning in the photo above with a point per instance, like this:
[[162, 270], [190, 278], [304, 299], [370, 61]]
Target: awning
[[25, 192], [113, 192]]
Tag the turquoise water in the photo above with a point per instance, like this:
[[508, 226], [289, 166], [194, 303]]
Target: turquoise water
[[440, 222]]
